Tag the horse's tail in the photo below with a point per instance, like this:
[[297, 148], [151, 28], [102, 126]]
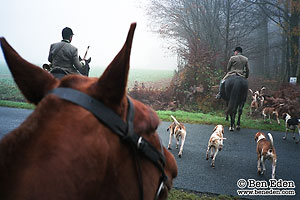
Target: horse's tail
[[238, 95], [234, 98]]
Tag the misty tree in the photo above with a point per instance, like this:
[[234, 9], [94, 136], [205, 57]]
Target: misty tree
[[285, 13], [237, 24], [205, 31]]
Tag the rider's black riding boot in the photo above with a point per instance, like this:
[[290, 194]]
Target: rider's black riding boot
[[221, 89]]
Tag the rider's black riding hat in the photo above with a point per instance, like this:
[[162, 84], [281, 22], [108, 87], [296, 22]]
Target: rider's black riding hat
[[67, 32], [239, 49]]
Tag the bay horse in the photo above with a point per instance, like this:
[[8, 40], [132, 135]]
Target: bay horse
[[236, 91], [86, 139]]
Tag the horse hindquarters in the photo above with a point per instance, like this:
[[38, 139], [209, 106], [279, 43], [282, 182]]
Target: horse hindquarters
[[237, 98]]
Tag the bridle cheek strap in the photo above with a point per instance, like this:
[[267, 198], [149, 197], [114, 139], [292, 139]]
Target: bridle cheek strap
[[117, 125]]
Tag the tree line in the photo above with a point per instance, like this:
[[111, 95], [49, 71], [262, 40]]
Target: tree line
[[203, 33]]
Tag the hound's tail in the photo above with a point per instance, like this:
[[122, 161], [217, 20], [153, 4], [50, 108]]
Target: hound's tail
[[175, 120], [271, 139]]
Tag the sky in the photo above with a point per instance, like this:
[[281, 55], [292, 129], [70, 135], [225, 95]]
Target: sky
[[31, 26]]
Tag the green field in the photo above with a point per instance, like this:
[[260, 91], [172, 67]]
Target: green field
[[139, 75], [9, 90]]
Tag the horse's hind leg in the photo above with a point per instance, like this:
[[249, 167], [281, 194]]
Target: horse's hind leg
[[226, 111], [232, 121], [238, 124]]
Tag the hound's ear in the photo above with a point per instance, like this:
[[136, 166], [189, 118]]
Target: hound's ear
[[113, 82], [33, 81], [215, 129], [284, 115]]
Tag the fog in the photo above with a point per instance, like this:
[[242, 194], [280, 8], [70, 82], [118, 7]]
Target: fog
[[31, 26]]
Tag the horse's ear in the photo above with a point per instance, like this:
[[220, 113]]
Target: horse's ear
[[33, 81], [89, 60], [113, 82]]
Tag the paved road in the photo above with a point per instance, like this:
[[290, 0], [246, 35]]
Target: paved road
[[236, 161]]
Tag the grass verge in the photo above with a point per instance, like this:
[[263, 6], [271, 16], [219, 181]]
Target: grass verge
[[14, 104], [217, 118], [189, 117]]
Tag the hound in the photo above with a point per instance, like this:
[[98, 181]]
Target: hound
[[265, 150], [215, 142], [257, 100], [268, 111], [178, 130], [291, 123]]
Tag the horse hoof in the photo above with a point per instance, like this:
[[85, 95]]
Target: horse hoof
[[231, 129], [238, 128]]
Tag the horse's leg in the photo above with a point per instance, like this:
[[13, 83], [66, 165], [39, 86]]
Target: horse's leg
[[232, 121], [226, 111], [238, 126]]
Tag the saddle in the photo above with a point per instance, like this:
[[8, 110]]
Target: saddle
[[58, 72]]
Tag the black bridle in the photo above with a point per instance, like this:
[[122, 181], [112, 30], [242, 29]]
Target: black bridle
[[118, 126]]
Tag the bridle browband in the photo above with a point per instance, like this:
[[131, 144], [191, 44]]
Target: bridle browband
[[118, 126]]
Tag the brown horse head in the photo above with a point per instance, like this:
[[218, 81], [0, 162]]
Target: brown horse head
[[63, 151]]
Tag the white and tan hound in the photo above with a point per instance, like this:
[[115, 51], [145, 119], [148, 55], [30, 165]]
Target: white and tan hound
[[179, 132], [268, 112], [265, 151], [215, 143]]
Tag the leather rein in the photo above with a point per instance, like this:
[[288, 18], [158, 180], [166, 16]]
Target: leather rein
[[122, 129]]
